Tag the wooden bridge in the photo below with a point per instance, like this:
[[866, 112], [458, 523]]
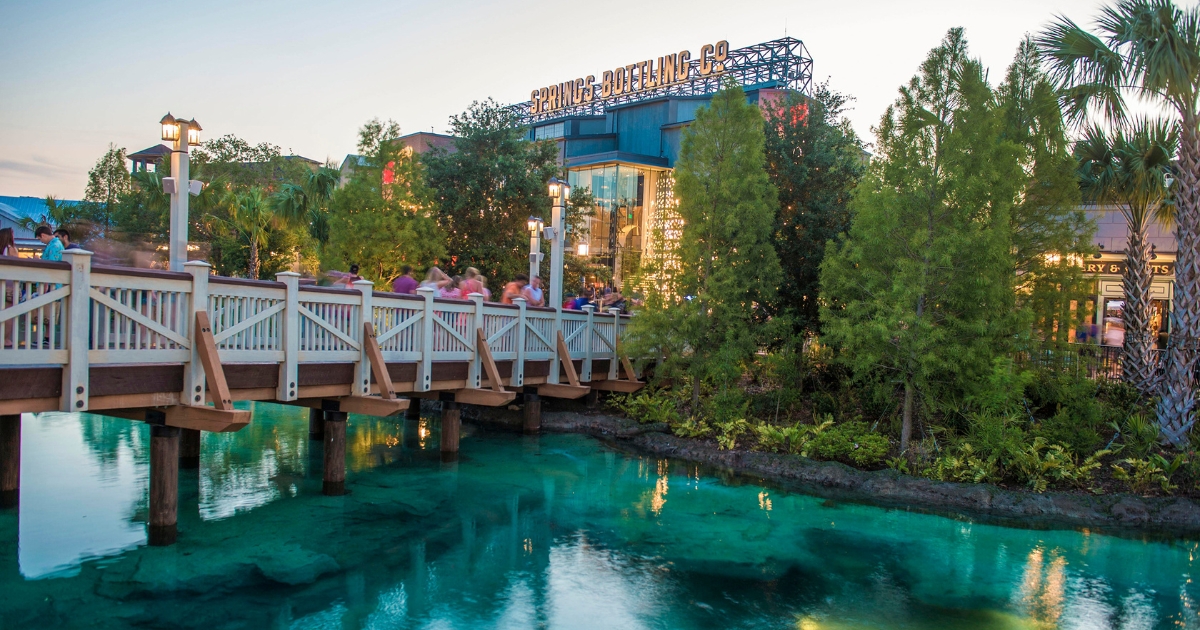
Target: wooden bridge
[[176, 349]]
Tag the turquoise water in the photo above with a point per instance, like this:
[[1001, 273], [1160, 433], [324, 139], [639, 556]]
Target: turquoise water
[[556, 531]]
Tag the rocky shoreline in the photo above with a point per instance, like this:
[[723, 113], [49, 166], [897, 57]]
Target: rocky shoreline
[[1120, 513]]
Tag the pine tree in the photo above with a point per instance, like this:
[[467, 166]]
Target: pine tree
[[728, 269], [815, 160], [1050, 232], [108, 181], [920, 294]]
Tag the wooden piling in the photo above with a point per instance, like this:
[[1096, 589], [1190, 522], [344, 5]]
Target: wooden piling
[[414, 409], [451, 428], [335, 454], [592, 399], [533, 413], [316, 424], [164, 484], [10, 460], [189, 448]]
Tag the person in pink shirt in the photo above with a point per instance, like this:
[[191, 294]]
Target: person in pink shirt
[[471, 283]]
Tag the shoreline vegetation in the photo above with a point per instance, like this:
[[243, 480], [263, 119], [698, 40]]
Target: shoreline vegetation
[[1118, 513]]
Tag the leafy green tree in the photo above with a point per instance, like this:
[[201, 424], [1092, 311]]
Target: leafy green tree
[[920, 294], [252, 214], [815, 160], [1129, 170], [142, 214], [382, 219], [108, 181], [307, 203], [728, 268], [1050, 232], [1150, 49], [487, 189]]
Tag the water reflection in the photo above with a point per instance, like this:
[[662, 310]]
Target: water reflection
[[556, 531]]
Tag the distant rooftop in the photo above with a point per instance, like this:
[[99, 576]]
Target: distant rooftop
[[29, 207]]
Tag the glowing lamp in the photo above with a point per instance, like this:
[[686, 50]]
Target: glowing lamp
[[555, 187], [581, 249], [194, 130], [534, 224], [170, 128]]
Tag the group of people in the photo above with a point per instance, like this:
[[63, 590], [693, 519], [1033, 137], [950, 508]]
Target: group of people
[[55, 241], [461, 287], [522, 286]]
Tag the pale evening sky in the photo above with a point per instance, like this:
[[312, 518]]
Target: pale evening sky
[[305, 75]]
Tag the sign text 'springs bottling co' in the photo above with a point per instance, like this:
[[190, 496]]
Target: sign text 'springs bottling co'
[[635, 77]]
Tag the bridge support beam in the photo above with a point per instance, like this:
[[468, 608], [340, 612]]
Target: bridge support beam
[[189, 448], [335, 454], [533, 411], [451, 428], [10, 460], [164, 484], [316, 424]]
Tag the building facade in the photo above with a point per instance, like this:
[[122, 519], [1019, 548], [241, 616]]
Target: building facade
[[619, 136], [1108, 302]]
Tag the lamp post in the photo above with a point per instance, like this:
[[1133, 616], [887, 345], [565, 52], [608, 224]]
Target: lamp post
[[182, 134], [559, 193], [535, 246]]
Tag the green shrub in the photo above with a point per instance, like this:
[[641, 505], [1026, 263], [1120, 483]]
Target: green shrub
[[1080, 435], [1040, 463], [1139, 433], [692, 428], [995, 435], [963, 464], [729, 432], [649, 407], [794, 439], [1141, 473], [850, 443]]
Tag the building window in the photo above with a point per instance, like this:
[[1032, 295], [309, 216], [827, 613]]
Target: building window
[[550, 132]]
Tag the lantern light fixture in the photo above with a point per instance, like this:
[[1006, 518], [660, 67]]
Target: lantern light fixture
[[170, 128], [194, 130], [534, 224], [581, 249]]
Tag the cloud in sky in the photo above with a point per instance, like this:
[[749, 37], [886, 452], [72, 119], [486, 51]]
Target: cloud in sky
[[306, 74]]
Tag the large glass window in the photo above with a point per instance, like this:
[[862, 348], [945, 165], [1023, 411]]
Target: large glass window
[[616, 225]]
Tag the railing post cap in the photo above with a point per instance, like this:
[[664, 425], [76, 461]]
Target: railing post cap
[[475, 294], [197, 263], [519, 299], [76, 252], [360, 283], [287, 274], [424, 290], [589, 307]]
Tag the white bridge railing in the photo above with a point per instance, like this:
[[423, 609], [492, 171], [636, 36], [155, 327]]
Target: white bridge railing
[[72, 314]]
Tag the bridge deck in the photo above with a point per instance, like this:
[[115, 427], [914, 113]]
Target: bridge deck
[[79, 337]]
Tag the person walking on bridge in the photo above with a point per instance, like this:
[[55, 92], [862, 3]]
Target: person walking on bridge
[[405, 282], [533, 293], [513, 289]]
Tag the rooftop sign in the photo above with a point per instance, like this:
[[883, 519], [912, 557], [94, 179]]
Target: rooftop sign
[[781, 63], [642, 76]]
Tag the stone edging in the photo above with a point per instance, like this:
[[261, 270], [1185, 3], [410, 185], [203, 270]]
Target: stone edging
[[1118, 513]]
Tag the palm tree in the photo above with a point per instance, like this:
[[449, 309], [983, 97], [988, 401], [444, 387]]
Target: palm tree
[[251, 214], [1150, 49], [1129, 170], [307, 203]]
